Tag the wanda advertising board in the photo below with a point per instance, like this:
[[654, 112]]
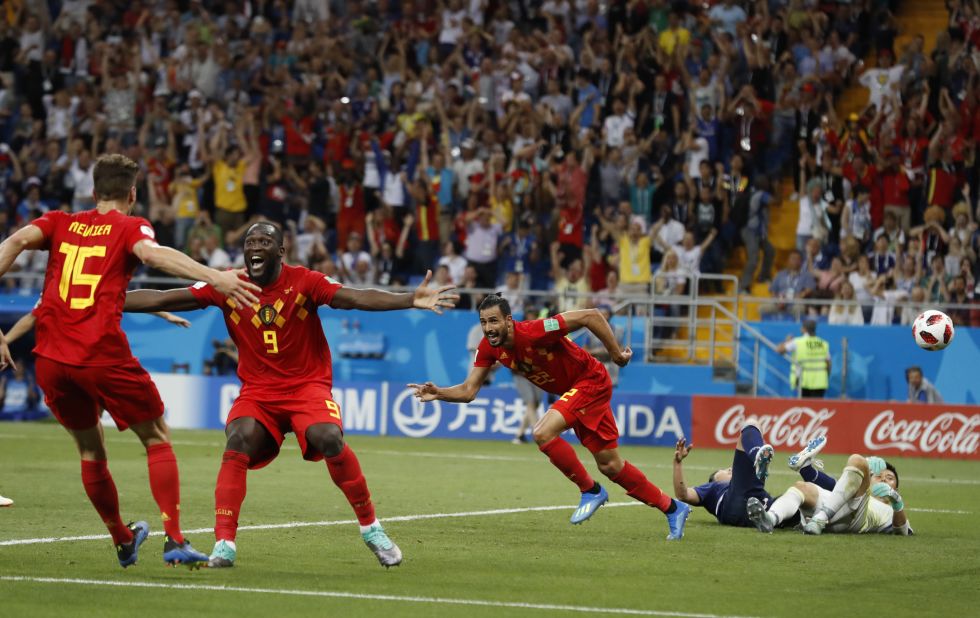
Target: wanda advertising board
[[866, 427]]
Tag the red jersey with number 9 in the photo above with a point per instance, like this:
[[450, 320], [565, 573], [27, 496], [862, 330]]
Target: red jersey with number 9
[[544, 355], [90, 263], [281, 345]]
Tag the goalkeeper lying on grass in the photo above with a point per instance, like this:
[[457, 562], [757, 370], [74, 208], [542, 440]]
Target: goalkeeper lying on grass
[[864, 499]]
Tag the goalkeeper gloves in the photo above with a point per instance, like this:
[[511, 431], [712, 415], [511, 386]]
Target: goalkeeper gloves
[[876, 465], [884, 491]]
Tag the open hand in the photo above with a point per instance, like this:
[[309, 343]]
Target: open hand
[[230, 283], [425, 392], [434, 299], [681, 450]]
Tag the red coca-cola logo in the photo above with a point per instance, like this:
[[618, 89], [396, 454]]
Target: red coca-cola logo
[[794, 427], [950, 432]]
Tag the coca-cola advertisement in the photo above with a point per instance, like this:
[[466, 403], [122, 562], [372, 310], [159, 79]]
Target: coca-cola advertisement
[[943, 431]]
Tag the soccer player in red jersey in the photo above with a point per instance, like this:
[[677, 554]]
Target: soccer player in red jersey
[[285, 370], [540, 351], [83, 359]]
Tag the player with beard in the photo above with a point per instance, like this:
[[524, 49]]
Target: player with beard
[[285, 370], [541, 352]]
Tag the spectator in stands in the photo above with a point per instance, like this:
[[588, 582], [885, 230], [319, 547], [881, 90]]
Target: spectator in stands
[[845, 310], [813, 220], [755, 235], [356, 265], [482, 238], [667, 233], [882, 260], [960, 299], [916, 304], [790, 284], [935, 281], [830, 280], [921, 390]]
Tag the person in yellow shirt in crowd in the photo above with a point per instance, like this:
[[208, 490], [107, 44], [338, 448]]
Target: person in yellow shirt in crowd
[[228, 170], [632, 260], [675, 34], [184, 200]]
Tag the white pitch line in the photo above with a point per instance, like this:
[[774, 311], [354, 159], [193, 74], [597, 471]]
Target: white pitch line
[[361, 596], [397, 518], [477, 457], [310, 524]]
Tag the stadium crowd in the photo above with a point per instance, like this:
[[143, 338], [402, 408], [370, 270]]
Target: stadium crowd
[[567, 145]]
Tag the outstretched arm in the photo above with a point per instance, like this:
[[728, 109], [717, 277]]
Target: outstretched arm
[[681, 490], [155, 301], [424, 297], [27, 237], [23, 326], [460, 393], [598, 326], [228, 282]]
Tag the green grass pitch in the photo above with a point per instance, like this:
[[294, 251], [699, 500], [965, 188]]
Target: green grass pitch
[[520, 563]]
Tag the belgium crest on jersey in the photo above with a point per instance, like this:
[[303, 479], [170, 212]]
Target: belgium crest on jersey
[[267, 314]]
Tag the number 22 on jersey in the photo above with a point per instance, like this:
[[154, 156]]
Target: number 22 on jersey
[[72, 273]]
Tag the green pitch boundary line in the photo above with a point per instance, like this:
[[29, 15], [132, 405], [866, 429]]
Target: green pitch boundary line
[[398, 518], [337, 594], [476, 457]]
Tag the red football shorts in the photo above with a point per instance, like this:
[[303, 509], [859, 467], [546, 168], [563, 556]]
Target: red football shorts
[[288, 411], [586, 409], [77, 395]]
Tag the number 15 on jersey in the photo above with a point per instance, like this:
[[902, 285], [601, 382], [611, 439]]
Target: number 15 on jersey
[[72, 273]]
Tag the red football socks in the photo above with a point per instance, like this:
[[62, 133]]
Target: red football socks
[[345, 471], [563, 456], [229, 493], [638, 487], [102, 493], [165, 487]]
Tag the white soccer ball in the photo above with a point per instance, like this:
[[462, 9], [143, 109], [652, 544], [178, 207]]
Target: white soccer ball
[[933, 330]]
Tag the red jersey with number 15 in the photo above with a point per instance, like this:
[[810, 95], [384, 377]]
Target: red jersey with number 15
[[544, 355], [281, 345], [90, 263]]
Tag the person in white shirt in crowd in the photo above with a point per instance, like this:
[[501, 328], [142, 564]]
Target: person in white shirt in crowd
[[689, 254], [356, 265], [453, 261], [667, 232], [884, 82], [886, 295], [217, 257], [844, 310], [616, 124], [79, 179], [482, 239], [511, 291], [812, 221]]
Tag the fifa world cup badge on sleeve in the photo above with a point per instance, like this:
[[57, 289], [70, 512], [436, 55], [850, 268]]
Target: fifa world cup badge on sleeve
[[550, 324]]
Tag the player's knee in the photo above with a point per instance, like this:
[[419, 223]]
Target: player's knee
[[237, 441], [542, 435], [152, 432], [801, 485], [327, 439], [612, 468]]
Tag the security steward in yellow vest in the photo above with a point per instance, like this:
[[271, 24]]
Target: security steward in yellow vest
[[810, 371]]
